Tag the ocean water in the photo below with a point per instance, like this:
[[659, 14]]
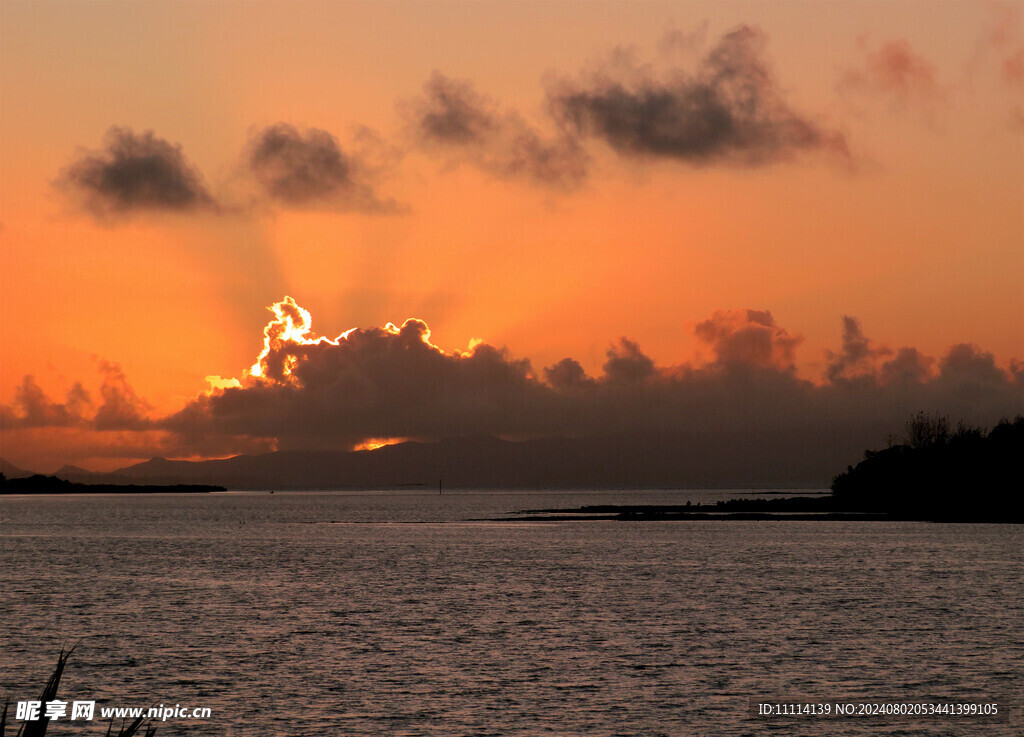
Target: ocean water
[[397, 614]]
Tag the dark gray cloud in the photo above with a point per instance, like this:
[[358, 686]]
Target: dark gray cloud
[[133, 173], [451, 111], [393, 382], [967, 367], [453, 119], [729, 110], [627, 364], [567, 375], [389, 381], [908, 366], [744, 405], [309, 169], [857, 356]]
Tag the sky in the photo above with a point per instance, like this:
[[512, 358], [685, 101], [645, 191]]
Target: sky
[[688, 201]]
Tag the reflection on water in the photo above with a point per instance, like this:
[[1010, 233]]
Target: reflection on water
[[284, 624]]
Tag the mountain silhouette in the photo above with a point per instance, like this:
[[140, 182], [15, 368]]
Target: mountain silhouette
[[611, 461], [11, 471]]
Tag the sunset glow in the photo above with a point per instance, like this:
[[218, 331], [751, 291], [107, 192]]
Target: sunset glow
[[511, 367], [710, 183], [374, 443], [291, 324]]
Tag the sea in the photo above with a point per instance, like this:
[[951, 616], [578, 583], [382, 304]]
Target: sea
[[416, 613]]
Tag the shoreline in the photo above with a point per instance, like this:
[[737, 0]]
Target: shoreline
[[793, 509]]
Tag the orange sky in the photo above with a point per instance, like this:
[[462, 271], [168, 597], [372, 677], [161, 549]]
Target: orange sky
[[919, 234]]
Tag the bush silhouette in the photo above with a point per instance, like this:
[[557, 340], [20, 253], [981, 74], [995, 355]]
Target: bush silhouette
[[935, 474]]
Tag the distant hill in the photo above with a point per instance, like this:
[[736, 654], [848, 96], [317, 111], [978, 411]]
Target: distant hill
[[613, 461], [67, 471], [11, 471]]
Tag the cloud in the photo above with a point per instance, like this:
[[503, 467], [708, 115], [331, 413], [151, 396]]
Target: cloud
[[121, 408], [908, 366], [746, 405], [749, 338], [1007, 41], [999, 55], [310, 170], [134, 173], [968, 367], [389, 382], [627, 364], [895, 71], [729, 111], [453, 112], [394, 382], [47, 434], [567, 375], [965, 370], [1003, 41], [857, 355], [453, 119], [1013, 68], [32, 408]]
